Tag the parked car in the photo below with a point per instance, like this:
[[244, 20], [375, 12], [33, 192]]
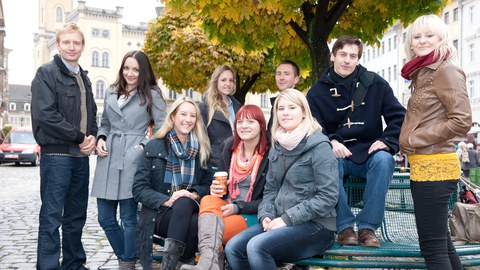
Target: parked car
[[20, 146]]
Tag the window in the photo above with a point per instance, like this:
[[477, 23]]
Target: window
[[455, 44], [100, 89], [471, 49], [94, 59], [264, 100], [471, 14], [394, 72], [389, 74], [59, 14], [172, 94], [389, 44], [95, 32], [383, 73], [446, 17], [471, 88], [395, 42], [12, 106], [189, 93], [383, 47], [105, 34], [404, 37], [105, 59], [26, 107], [368, 55], [455, 14], [373, 52]]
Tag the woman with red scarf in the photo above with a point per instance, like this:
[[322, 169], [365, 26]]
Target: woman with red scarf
[[438, 111], [244, 158]]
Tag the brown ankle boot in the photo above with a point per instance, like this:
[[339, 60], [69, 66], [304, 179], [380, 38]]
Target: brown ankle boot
[[368, 238], [347, 237]]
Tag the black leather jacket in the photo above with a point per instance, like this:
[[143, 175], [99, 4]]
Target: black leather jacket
[[56, 110]]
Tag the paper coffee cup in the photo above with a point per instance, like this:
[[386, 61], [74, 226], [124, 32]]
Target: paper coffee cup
[[221, 177]]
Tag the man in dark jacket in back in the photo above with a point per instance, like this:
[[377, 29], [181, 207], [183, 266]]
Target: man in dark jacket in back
[[350, 104], [64, 125], [287, 75]]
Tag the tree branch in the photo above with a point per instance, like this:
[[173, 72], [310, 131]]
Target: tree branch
[[302, 34], [335, 13]]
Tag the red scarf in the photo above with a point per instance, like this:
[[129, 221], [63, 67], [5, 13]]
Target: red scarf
[[239, 171], [419, 62]]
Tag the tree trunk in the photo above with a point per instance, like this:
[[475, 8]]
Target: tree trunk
[[242, 90], [319, 57]]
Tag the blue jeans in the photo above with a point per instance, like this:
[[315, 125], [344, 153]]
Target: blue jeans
[[430, 201], [378, 170], [120, 236], [64, 195], [255, 249]]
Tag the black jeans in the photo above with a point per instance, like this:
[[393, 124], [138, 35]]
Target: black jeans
[[431, 199], [180, 222]]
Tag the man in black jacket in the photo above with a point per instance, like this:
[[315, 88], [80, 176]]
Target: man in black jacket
[[351, 104], [64, 125], [287, 74]]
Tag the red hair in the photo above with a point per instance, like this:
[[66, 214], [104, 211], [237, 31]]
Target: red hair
[[255, 113]]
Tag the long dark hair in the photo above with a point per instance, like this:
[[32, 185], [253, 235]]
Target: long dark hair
[[146, 79]]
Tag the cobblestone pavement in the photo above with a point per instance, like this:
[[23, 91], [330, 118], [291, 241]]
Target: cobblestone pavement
[[19, 207]]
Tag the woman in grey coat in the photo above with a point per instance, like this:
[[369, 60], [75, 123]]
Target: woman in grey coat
[[132, 104], [297, 214]]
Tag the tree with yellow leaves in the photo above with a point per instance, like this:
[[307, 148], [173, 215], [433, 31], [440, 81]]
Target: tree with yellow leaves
[[298, 30], [183, 56]]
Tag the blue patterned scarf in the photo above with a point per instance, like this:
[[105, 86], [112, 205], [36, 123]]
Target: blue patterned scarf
[[180, 170]]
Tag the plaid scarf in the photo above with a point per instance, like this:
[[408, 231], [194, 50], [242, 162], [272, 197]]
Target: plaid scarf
[[180, 170]]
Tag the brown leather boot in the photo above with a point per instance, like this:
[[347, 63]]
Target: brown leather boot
[[368, 238], [347, 237]]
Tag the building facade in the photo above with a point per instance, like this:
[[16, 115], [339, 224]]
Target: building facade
[[3, 70], [469, 51], [19, 105], [464, 30], [106, 39]]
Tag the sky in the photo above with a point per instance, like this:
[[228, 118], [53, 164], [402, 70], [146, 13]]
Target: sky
[[21, 23]]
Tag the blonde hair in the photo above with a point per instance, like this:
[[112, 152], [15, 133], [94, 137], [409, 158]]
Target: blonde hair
[[299, 99], [213, 98], [68, 28], [430, 23], [199, 128]]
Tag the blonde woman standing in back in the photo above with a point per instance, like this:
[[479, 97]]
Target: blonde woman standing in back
[[218, 110]]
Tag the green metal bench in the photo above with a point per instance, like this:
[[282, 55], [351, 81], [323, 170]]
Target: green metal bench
[[399, 248]]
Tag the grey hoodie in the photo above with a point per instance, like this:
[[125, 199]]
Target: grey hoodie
[[310, 189]]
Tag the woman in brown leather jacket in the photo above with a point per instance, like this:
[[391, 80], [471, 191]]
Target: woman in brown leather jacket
[[438, 110]]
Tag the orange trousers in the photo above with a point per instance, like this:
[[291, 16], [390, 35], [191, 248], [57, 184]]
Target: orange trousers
[[233, 224]]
